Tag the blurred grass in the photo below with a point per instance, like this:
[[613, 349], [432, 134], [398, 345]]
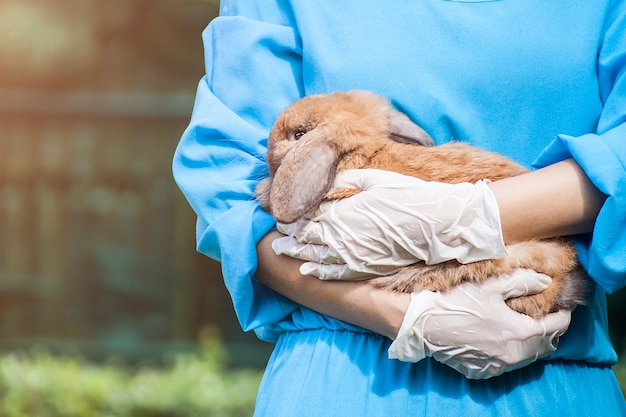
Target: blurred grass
[[188, 385], [40, 384]]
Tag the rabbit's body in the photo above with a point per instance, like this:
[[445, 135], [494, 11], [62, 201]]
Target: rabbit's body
[[321, 135], [453, 162]]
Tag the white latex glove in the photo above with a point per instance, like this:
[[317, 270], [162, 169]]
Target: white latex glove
[[394, 222], [472, 330]]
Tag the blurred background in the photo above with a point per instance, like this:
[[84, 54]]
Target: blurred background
[[98, 243], [98, 258]]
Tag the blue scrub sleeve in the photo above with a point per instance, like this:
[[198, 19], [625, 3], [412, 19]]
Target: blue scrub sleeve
[[253, 71], [602, 155]]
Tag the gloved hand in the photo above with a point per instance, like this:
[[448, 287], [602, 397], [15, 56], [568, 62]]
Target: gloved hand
[[393, 222], [471, 329]]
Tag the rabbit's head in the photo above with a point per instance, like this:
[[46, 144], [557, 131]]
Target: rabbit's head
[[315, 137]]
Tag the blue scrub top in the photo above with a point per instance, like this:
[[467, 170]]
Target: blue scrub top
[[537, 81]]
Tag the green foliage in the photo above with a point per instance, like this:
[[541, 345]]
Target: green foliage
[[620, 372], [191, 385]]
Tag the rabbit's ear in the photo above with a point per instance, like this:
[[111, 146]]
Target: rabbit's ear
[[303, 178], [262, 193], [402, 129]]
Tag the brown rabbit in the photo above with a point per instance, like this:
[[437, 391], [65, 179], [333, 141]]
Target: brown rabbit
[[320, 135]]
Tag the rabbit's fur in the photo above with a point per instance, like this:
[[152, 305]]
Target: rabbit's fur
[[320, 135]]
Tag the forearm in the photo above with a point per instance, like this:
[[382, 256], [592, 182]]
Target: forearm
[[355, 302], [558, 200]]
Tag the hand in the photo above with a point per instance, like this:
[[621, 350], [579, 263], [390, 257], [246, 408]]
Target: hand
[[471, 329], [395, 221]]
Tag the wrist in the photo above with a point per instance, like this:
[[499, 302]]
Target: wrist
[[392, 307]]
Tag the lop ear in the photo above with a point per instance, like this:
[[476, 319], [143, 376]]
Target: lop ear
[[303, 178], [402, 129], [262, 193]]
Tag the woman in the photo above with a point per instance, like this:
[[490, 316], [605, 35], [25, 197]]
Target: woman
[[509, 76]]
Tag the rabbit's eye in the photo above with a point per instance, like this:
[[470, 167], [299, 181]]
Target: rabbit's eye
[[292, 136]]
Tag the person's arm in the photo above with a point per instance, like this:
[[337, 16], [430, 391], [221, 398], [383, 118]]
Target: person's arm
[[355, 302], [408, 219], [416, 322], [558, 200]]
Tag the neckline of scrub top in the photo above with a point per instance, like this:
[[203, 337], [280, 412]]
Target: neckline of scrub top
[[471, 1]]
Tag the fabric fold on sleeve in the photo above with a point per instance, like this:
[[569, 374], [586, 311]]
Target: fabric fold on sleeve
[[253, 71], [603, 159], [602, 155]]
